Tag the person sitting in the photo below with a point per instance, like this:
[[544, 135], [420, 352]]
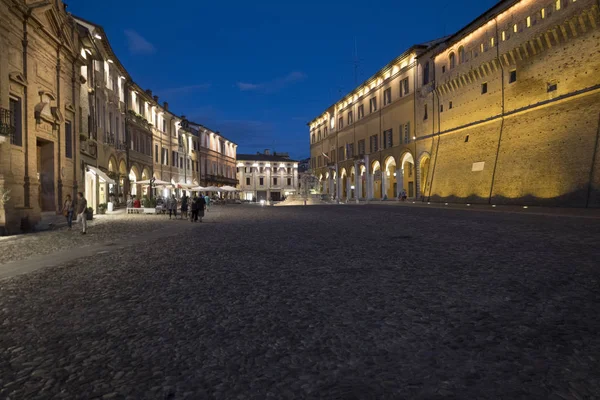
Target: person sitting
[[136, 202]]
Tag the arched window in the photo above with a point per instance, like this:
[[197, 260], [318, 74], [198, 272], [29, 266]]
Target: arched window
[[313, 137], [319, 135], [426, 73], [452, 60], [461, 55]]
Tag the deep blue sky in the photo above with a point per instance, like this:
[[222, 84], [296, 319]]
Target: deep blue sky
[[258, 71]]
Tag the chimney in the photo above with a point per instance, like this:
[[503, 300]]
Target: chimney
[[156, 99], [149, 92], [267, 152], [166, 106]]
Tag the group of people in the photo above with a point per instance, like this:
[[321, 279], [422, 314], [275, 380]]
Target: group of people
[[78, 208], [197, 205]]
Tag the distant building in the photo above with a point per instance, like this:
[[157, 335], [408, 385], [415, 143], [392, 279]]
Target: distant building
[[266, 176]]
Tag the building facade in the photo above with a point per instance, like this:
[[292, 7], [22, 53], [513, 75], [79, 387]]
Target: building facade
[[39, 102], [266, 176], [72, 119], [506, 111]]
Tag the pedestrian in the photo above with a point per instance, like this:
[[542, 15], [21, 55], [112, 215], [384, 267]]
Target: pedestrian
[[207, 203], [172, 206], [194, 207], [67, 211], [404, 197], [81, 212], [201, 207], [184, 206]]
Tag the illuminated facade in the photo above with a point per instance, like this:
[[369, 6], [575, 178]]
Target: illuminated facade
[[505, 112], [266, 176], [39, 110], [72, 119]]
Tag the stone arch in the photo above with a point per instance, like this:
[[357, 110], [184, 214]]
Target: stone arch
[[122, 167], [407, 174], [391, 183], [377, 180], [423, 167], [344, 183], [134, 176], [112, 164], [146, 174]]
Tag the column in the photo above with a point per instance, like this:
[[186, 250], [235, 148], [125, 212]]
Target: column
[[357, 183], [384, 181], [338, 184], [399, 181], [369, 189]]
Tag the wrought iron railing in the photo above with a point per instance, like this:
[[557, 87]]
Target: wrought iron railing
[[7, 127]]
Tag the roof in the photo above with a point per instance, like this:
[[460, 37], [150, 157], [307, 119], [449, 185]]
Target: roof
[[263, 157]]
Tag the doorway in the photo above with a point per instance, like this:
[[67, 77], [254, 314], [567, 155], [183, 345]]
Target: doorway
[[45, 170]]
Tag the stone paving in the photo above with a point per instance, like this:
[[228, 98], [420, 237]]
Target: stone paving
[[352, 302]]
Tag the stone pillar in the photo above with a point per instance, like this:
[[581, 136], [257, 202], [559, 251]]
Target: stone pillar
[[399, 181], [338, 184], [369, 189], [357, 183], [384, 182]]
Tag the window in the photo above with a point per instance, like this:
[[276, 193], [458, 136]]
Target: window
[[341, 155], [452, 60], [425, 112], [350, 150], [248, 181], [404, 88], [261, 181], [492, 41], [503, 36], [361, 111], [484, 88], [325, 131], [180, 162], [197, 166], [340, 123], [387, 96], [552, 87], [68, 139], [313, 137], [441, 108], [260, 170], [373, 104], [374, 143], [515, 28], [481, 48], [450, 105], [426, 73], [361, 147], [558, 4], [513, 76], [443, 69], [543, 13], [350, 117], [164, 127], [407, 133], [275, 181], [289, 170], [461, 55], [388, 139], [528, 22], [289, 181], [156, 153], [17, 121]]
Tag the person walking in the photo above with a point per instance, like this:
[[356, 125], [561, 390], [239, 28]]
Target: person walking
[[81, 212], [172, 206], [184, 206], [201, 207], [67, 210], [194, 208], [207, 203]]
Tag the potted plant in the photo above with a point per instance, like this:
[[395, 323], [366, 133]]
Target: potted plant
[[102, 208], [89, 215]]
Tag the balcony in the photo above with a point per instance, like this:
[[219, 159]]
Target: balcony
[[222, 179], [7, 128], [109, 139]]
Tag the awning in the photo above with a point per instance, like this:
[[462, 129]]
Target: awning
[[101, 175]]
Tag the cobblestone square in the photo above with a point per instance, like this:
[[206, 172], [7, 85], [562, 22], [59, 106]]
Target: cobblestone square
[[334, 302]]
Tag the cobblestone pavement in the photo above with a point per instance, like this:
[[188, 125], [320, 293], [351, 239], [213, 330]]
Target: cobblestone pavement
[[105, 228], [366, 302]]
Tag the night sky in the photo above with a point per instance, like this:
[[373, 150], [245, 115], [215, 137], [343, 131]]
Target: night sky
[[258, 71]]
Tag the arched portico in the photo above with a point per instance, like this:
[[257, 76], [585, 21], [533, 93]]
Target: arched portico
[[362, 181], [423, 173], [344, 188], [391, 185], [407, 166], [134, 177], [377, 180]]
